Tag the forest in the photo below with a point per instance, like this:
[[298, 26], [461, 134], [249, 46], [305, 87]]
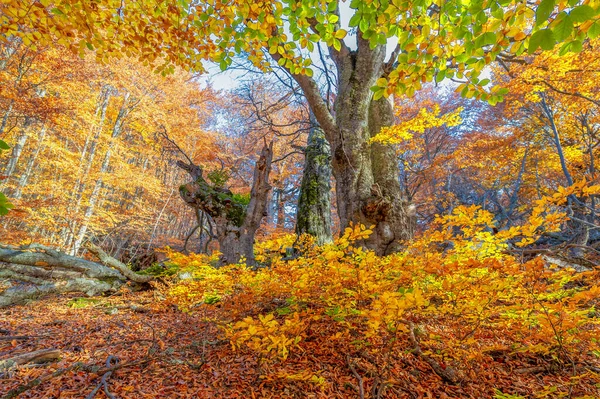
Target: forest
[[300, 199]]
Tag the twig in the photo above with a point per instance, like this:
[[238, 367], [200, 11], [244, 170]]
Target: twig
[[447, 373], [110, 362], [91, 368], [14, 337], [361, 387]]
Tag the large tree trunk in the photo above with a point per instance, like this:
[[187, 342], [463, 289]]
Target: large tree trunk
[[314, 203], [388, 206], [236, 222], [367, 187], [36, 270], [366, 174]]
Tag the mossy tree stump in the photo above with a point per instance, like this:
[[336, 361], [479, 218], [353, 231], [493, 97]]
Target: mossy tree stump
[[236, 217]]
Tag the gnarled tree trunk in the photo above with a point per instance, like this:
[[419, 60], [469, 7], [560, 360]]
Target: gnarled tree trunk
[[366, 174], [236, 222]]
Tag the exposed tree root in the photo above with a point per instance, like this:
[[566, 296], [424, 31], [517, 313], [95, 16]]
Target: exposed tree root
[[110, 362], [36, 270]]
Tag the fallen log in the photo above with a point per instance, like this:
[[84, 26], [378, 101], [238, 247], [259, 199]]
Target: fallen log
[[39, 356], [116, 264], [35, 270]]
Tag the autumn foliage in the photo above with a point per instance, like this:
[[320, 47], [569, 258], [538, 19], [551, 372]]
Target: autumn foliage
[[458, 301], [465, 259]]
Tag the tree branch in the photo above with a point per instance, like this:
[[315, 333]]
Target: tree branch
[[317, 104]]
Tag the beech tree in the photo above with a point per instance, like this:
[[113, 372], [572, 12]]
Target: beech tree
[[434, 40]]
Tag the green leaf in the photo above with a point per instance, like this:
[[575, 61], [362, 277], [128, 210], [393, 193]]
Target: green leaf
[[4, 146], [542, 13], [563, 29], [377, 95], [363, 25], [355, 20], [337, 44], [594, 30], [564, 49], [542, 38], [576, 46], [485, 39], [440, 76], [464, 91], [582, 13]]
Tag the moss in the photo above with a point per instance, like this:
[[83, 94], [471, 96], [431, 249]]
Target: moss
[[242, 199], [236, 213], [80, 303], [218, 177], [110, 280], [216, 200]]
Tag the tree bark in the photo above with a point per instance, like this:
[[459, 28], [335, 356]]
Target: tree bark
[[367, 187], [388, 206], [4, 122], [39, 356], [236, 223], [314, 203]]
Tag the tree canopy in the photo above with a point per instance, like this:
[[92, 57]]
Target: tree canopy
[[435, 39]]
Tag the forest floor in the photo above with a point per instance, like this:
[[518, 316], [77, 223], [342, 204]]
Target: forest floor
[[165, 353]]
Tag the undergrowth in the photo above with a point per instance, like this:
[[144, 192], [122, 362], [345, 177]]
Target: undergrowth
[[456, 298]]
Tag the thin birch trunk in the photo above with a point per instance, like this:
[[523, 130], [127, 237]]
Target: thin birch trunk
[[30, 164], [117, 130]]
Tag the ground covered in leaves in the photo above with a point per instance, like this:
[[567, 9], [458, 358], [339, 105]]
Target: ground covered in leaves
[[168, 353]]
